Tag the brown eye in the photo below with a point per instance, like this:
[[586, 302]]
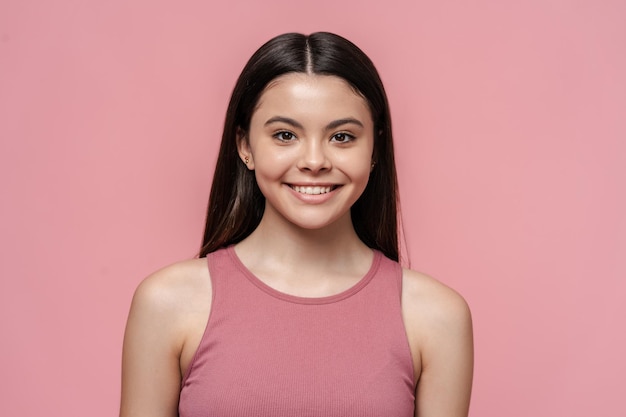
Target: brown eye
[[342, 137], [285, 136]]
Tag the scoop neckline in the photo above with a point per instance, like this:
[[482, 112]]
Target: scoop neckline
[[358, 286]]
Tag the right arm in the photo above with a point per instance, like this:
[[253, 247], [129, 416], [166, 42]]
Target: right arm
[[167, 310]]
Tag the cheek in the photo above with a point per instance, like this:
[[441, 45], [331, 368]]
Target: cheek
[[271, 165], [267, 154], [270, 169], [358, 164]]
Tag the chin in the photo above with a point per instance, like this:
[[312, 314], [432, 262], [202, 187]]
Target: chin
[[319, 224]]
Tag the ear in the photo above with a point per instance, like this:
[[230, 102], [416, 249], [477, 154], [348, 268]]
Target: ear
[[243, 148]]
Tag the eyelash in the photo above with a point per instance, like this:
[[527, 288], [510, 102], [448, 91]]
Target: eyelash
[[346, 136], [279, 135]]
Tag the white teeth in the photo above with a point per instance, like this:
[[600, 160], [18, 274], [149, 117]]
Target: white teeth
[[312, 190]]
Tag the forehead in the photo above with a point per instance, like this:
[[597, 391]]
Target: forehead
[[312, 96]]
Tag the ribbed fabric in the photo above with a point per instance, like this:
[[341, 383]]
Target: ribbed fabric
[[269, 354]]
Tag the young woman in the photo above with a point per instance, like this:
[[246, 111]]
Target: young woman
[[297, 305]]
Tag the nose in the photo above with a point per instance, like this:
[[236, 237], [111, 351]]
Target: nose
[[313, 157]]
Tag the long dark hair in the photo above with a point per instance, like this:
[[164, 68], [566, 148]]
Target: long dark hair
[[236, 204]]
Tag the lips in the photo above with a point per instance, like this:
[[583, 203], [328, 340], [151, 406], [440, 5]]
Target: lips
[[313, 189]]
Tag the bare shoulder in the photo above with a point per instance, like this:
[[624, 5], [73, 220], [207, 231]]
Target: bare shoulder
[[439, 330], [178, 283], [436, 317], [172, 299], [165, 323], [432, 301]]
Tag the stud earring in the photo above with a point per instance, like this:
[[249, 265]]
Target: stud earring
[[246, 160]]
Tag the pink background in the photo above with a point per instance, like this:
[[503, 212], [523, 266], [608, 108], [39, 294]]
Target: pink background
[[510, 129]]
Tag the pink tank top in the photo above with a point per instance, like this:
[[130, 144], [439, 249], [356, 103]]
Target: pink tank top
[[269, 354]]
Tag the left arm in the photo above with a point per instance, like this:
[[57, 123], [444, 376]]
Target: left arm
[[439, 328]]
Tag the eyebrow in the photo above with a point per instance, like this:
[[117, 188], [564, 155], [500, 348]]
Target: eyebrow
[[332, 125]]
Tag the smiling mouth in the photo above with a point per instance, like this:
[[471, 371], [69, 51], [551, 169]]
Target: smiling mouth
[[312, 190]]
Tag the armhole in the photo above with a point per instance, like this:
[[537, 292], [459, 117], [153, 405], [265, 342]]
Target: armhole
[[400, 281], [206, 327]]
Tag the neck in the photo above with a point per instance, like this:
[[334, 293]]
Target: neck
[[280, 241]]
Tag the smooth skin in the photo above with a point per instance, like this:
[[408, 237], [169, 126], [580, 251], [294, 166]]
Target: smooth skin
[[307, 131]]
